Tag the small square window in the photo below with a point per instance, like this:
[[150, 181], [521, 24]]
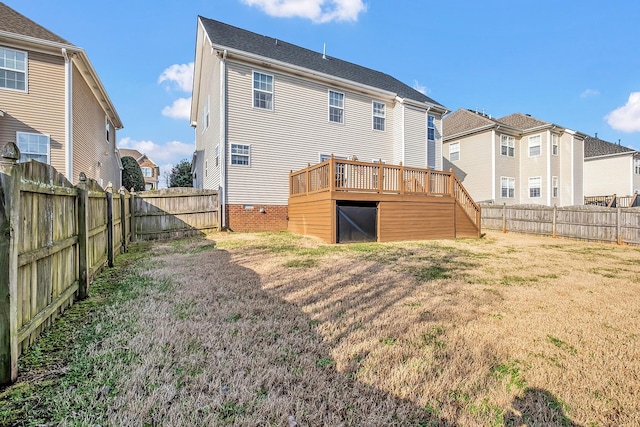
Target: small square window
[[33, 146], [240, 154]]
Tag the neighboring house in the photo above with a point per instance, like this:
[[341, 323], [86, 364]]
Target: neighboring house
[[515, 159], [262, 107], [610, 168], [150, 170], [54, 106]]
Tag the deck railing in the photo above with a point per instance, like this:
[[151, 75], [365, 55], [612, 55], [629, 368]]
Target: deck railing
[[353, 176], [613, 201]]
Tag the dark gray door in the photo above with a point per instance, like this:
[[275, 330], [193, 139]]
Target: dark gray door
[[357, 222]]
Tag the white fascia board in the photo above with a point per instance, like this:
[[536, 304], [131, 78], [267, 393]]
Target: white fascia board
[[304, 72], [201, 38], [469, 132], [606, 156]]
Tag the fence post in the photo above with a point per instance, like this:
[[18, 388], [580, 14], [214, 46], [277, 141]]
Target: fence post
[[9, 229], [554, 221], [83, 236], [132, 210], [619, 225], [123, 219], [504, 217], [109, 192]]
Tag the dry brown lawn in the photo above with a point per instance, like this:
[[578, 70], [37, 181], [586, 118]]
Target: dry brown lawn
[[283, 330]]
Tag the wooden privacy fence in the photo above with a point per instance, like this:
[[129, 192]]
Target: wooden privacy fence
[[55, 237], [619, 225], [174, 212]]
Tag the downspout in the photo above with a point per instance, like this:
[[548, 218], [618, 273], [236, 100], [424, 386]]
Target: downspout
[[426, 151], [68, 111], [404, 142], [548, 168], [573, 185], [223, 139], [493, 165]]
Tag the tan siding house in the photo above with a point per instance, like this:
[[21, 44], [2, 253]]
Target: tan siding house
[[150, 170], [516, 159], [53, 104], [610, 169], [262, 107]]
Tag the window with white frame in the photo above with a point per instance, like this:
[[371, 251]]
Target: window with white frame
[[147, 172], [378, 115], [13, 69], [454, 151], [262, 91], [431, 128], [507, 187], [507, 145], [240, 154], [535, 187], [535, 147], [637, 166], [216, 154], [336, 107], [33, 146], [554, 144], [554, 187], [206, 114]]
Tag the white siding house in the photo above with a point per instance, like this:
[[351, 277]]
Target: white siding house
[[262, 107]]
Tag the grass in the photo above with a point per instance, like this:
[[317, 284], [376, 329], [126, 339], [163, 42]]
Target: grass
[[274, 328]]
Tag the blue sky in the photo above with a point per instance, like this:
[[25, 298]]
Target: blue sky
[[575, 63]]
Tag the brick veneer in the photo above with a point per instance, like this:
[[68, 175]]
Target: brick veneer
[[250, 217]]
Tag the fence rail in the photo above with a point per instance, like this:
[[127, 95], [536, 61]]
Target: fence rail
[[55, 237], [596, 223]]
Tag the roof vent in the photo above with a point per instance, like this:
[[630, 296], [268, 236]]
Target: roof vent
[[528, 115], [324, 51], [276, 42], [596, 135]]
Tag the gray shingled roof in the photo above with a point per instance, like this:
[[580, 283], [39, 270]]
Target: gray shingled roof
[[597, 147], [228, 36], [521, 121], [463, 121], [13, 22]]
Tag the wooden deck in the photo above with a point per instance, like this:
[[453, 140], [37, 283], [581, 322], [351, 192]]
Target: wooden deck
[[412, 203]]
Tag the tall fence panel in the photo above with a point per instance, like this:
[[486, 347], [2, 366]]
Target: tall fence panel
[[619, 225], [174, 212]]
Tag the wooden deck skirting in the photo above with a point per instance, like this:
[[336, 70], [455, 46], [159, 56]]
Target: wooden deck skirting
[[350, 180]]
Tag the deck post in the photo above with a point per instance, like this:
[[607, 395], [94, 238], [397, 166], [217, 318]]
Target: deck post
[[307, 180], [401, 179], [332, 174], [380, 176], [427, 179], [451, 182]]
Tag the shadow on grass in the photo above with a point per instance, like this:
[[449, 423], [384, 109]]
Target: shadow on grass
[[538, 407]]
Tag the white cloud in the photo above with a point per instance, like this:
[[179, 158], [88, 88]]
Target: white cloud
[[627, 117], [180, 75], [589, 93], [421, 88], [180, 109], [319, 11], [168, 153]]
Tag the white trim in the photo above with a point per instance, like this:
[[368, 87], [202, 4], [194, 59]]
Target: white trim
[[253, 90], [26, 70], [573, 160], [529, 187], [404, 148], [529, 145], [457, 144], [493, 166], [37, 134], [344, 97], [231, 154], [548, 156], [508, 187], [68, 113], [223, 138], [383, 117]]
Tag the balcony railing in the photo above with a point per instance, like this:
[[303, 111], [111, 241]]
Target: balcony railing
[[340, 175]]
